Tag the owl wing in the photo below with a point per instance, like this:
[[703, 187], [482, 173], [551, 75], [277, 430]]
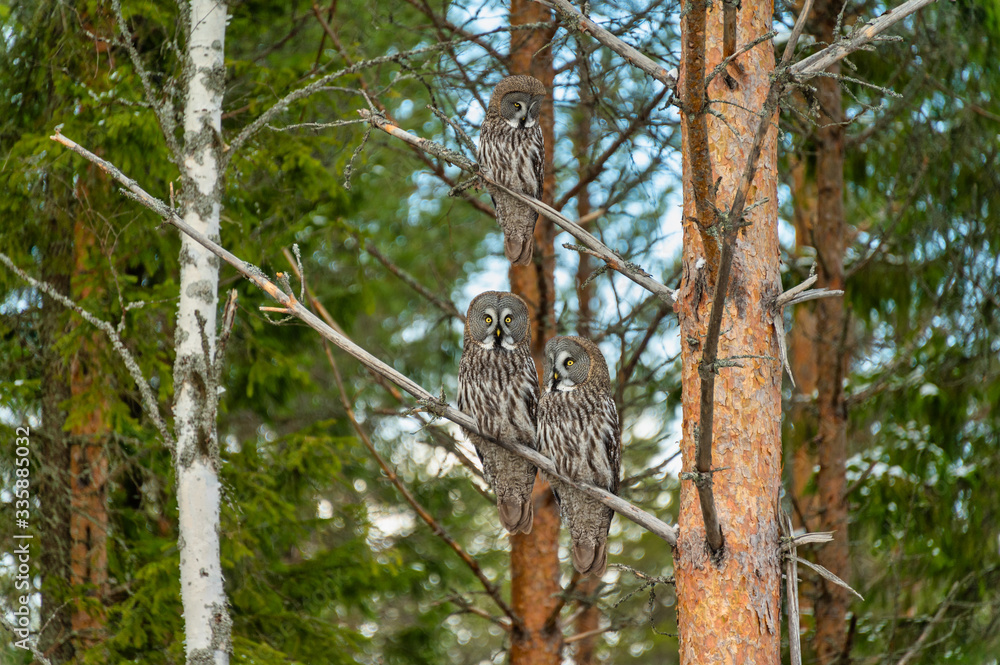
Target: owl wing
[[612, 439], [530, 392], [538, 160]]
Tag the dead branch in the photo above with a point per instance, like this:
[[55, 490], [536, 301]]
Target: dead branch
[[859, 38], [614, 261], [427, 400], [440, 439], [573, 20], [791, 589], [445, 305]]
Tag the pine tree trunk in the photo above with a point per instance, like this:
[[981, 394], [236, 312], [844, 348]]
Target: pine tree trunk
[[728, 602], [53, 460], [206, 619], [831, 601], [88, 519], [820, 359], [534, 557]]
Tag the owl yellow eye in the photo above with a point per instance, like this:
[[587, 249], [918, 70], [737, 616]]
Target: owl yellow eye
[[569, 363], [507, 320], [517, 106], [489, 319]]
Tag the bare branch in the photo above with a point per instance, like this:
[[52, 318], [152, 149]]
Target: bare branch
[[860, 37], [935, 620], [793, 39], [445, 305], [163, 110], [572, 19], [145, 391], [827, 575], [791, 590], [32, 644], [267, 116], [430, 403], [616, 262]]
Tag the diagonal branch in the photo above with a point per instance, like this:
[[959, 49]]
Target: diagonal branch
[[445, 305], [430, 403], [602, 251], [571, 17], [163, 110], [145, 391], [818, 62]]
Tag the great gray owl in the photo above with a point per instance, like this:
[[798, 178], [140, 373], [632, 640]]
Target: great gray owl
[[578, 429], [498, 386], [511, 152]]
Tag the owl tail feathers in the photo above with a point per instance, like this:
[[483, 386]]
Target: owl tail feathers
[[516, 515], [518, 249], [591, 558]]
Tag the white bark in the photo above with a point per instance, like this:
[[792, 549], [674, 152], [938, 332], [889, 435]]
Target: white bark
[[206, 618]]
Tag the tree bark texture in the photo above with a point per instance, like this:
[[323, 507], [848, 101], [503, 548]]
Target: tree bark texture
[[53, 460], [534, 558], [206, 619], [728, 602], [88, 470], [821, 503]]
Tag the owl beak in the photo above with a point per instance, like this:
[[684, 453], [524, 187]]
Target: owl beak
[[499, 333]]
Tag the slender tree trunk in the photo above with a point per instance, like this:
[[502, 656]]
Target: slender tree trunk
[[589, 619], [800, 431], [820, 358], [88, 519], [534, 557], [728, 608], [831, 601], [206, 618], [53, 461], [582, 138]]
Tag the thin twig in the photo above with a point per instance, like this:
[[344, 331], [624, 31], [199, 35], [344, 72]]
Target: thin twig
[[427, 400], [32, 644], [443, 304]]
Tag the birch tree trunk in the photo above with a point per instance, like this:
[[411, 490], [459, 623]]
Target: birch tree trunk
[[206, 618], [728, 600]]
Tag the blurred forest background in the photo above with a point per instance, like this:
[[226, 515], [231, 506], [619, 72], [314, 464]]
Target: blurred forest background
[[324, 560]]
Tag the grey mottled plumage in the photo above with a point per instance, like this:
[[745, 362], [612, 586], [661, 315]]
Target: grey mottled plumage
[[512, 152], [498, 386], [578, 428]]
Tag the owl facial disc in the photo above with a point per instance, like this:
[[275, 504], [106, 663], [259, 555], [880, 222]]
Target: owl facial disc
[[521, 110], [561, 380], [498, 329]]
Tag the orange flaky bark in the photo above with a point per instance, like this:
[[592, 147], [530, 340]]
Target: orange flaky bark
[[728, 609], [534, 559]]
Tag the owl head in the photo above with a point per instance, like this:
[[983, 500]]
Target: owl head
[[574, 362], [498, 321], [517, 100]]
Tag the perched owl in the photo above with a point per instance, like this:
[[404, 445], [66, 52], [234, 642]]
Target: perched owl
[[578, 429], [511, 152], [498, 386]]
